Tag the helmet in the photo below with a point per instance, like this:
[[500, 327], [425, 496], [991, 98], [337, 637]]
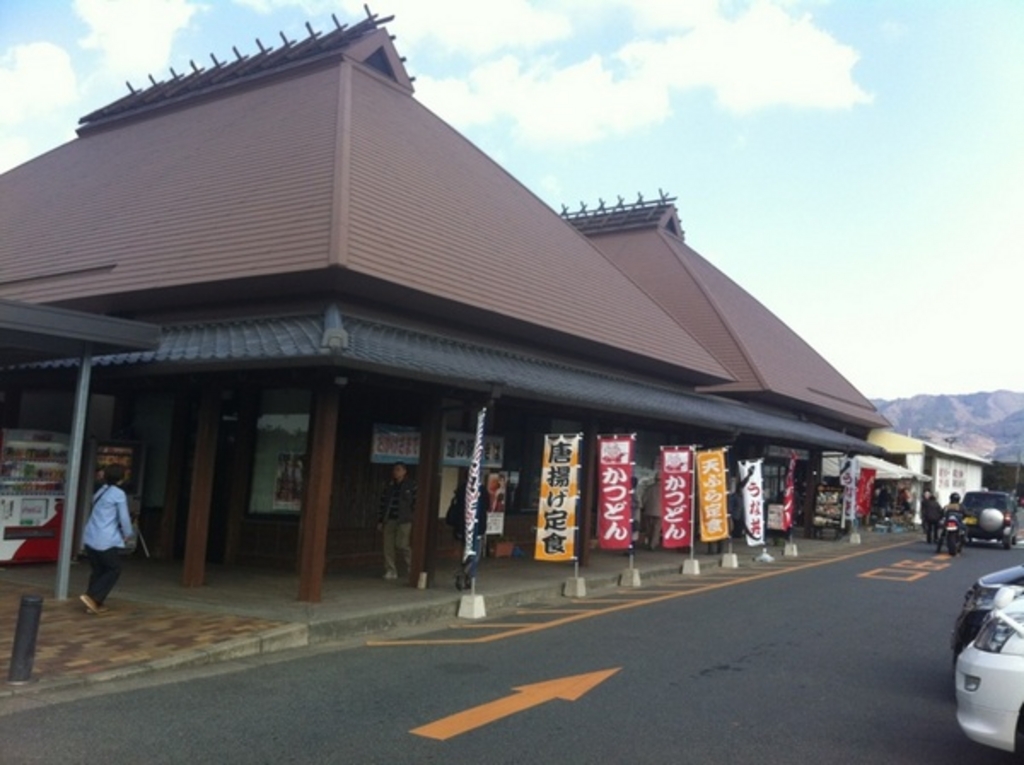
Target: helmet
[[954, 497]]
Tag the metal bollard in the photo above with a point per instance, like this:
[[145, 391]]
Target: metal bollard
[[23, 653]]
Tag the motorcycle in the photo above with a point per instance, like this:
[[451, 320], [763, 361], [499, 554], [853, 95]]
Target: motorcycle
[[951, 534]]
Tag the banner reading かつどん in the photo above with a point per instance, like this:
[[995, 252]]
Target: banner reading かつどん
[[676, 496], [559, 496], [615, 491]]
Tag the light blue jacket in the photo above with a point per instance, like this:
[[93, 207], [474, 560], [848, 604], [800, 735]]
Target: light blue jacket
[[110, 522]]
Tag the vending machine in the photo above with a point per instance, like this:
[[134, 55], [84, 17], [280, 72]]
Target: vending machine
[[33, 471]]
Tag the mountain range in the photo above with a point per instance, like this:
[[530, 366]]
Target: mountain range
[[990, 425]]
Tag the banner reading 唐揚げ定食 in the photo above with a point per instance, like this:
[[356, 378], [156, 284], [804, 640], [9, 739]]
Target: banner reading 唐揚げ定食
[[559, 496]]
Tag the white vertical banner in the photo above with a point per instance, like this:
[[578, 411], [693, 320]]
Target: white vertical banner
[[848, 480], [753, 501], [473, 487]]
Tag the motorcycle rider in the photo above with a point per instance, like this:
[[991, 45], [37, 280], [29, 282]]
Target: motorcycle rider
[[952, 511]]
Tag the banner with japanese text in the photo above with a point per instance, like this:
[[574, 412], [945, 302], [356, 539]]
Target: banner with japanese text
[[711, 489], [753, 501], [559, 497], [615, 491], [676, 496], [789, 495], [865, 490]]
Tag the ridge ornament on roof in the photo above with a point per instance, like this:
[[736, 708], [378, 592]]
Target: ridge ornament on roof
[[659, 212], [244, 69]]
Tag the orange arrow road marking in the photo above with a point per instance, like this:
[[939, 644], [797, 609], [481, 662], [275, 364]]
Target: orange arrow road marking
[[526, 696]]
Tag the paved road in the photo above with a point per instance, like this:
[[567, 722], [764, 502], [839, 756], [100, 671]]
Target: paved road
[[845, 662]]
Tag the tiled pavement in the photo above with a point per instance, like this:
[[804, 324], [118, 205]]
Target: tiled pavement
[[72, 642], [156, 624]]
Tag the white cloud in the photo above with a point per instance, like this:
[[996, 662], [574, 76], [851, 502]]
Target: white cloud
[[469, 27], [134, 37], [761, 59], [309, 7], [37, 82], [757, 57], [35, 79], [549, 105]]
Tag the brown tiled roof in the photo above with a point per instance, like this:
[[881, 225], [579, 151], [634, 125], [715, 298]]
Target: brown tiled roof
[[396, 349], [768, 360], [334, 172]]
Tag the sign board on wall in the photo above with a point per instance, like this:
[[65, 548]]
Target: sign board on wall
[[398, 443]]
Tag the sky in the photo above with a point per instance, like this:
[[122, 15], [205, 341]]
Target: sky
[[856, 165]]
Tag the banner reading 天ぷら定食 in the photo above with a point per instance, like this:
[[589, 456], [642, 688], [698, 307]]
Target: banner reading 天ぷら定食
[[712, 490]]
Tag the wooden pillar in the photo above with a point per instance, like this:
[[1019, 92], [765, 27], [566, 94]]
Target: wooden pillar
[[428, 488], [316, 499], [241, 469], [198, 524], [588, 492], [175, 465]]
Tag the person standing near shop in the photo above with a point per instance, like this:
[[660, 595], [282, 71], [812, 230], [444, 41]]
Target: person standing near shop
[[394, 520], [651, 509], [107, 531], [931, 514]]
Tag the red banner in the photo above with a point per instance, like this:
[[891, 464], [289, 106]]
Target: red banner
[[615, 491], [865, 491], [676, 496]]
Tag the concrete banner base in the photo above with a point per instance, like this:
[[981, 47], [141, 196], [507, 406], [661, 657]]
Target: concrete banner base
[[575, 587], [472, 607], [630, 578]]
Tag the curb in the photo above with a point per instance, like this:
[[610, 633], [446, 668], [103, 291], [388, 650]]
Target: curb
[[300, 634]]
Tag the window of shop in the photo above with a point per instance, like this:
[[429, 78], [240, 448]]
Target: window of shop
[[280, 461]]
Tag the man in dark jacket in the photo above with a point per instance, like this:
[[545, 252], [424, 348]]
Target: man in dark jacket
[[397, 505], [931, 514]]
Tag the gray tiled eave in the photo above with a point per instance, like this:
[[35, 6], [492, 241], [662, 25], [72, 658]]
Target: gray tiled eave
[[406, 352]]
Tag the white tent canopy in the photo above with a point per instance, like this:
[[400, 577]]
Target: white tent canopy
[[884, 471]]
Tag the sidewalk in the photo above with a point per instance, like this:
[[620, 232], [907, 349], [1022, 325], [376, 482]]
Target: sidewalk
[[155, 624]]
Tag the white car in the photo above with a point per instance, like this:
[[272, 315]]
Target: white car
[[990, 677]]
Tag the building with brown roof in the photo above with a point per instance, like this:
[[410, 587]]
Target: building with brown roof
[[334, 268]]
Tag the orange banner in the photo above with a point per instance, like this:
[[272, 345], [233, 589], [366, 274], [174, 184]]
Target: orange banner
[[712, 490], [559, 497]]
